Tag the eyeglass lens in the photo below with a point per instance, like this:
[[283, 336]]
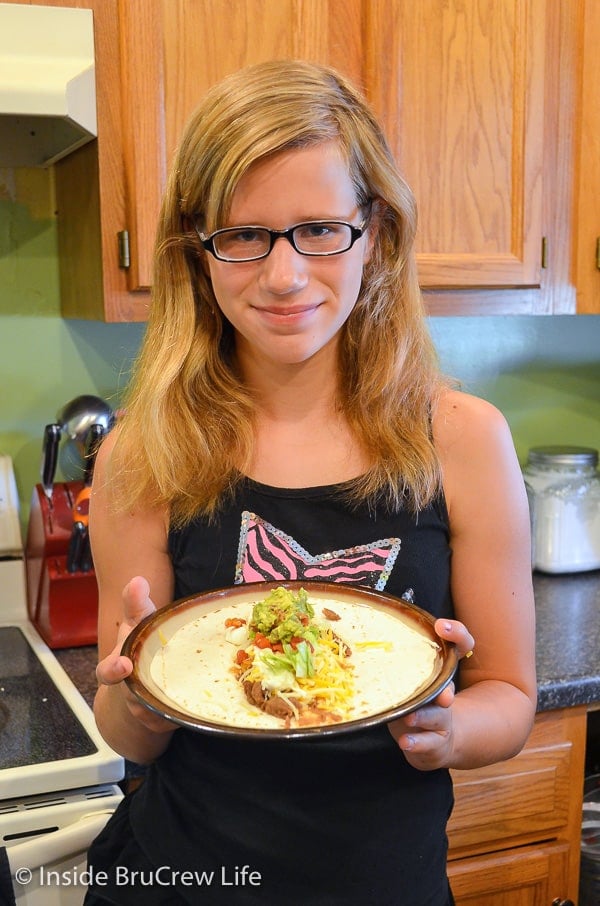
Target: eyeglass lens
[[310, 238]]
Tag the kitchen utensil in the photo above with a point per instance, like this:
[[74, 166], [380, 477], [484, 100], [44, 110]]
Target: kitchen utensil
[[76, 542], [153, 632], [86, 564], [95, 435], [79, 554], [76, 419], [52, 434]]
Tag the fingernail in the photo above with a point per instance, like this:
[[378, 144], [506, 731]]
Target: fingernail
[[448, 627], [408, 743]]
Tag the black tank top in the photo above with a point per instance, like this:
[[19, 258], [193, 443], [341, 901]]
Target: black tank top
[[341, 820]]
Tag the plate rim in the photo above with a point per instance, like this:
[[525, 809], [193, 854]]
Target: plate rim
[[135, 640]]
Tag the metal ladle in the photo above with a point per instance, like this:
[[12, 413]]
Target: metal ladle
[[76, 419]]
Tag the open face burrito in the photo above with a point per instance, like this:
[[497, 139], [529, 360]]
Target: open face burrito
[[291, 659]]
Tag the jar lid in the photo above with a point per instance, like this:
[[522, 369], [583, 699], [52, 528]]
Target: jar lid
[[563, 456]]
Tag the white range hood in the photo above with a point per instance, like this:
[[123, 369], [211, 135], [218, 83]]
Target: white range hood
[[47, 83]]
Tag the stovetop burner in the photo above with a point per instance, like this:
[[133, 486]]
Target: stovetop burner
[[36, 724]]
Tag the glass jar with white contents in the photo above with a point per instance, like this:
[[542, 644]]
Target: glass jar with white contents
[[563, 487]]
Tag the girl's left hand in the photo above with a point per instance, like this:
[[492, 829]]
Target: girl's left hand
[[426, 736]]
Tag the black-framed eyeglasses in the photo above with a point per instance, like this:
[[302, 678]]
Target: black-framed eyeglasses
[[317, 238]]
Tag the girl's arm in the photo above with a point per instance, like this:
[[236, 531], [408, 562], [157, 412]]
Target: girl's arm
[[126, 547], [490, 717]]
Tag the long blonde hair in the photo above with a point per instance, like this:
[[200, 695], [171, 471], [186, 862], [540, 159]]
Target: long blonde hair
[[188, 432]]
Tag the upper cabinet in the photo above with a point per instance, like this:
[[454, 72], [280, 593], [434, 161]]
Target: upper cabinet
[[480, 102], [587, 187], [460, 88]]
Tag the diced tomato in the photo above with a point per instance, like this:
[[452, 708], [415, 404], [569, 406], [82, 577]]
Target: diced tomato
[[304, 619], [234, 622], [295, 641], [260, 641], [241, 656]]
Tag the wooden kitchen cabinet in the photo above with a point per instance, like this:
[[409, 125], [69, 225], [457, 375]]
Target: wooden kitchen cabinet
[[587, 217], [527, 877], [460, 88], [461, 96], [477, 101], [515, 830]]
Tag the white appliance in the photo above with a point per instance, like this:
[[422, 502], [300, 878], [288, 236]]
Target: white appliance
[[47, 83], [57, 775]]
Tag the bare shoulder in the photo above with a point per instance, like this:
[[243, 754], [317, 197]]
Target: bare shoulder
[[462, 419], [476, 449], [107, 511]]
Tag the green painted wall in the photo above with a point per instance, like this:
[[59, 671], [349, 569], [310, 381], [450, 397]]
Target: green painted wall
[[542, 372]]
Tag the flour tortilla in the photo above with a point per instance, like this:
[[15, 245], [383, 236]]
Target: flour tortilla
[[193, 669]]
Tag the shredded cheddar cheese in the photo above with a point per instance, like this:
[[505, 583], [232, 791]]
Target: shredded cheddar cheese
[[332, 686]]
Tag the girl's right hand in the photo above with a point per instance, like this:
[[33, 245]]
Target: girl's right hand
[[115, 667]]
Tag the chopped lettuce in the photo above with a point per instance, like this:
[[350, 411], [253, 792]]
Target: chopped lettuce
[[298, 660], [276, 673]]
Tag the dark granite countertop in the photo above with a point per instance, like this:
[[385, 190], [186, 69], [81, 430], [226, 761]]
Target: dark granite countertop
[[80, 664], [568, 643], [568, 639]]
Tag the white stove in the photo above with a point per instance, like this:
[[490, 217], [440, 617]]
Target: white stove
[[57, 775]]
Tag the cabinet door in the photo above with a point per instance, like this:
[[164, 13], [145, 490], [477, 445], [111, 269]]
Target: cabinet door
[[526, 798], [172, 51], [587, 256], [532, 876], [460, 88]]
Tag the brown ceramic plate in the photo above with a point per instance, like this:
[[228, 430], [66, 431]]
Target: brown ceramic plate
[[389, 688]]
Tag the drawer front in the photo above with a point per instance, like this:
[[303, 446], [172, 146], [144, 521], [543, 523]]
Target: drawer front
[[532, 876], [532, 797], [527, 796]]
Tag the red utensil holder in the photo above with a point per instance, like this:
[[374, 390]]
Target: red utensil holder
[[62, 605]]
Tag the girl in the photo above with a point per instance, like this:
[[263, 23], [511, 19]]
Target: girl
[[287, 386]]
